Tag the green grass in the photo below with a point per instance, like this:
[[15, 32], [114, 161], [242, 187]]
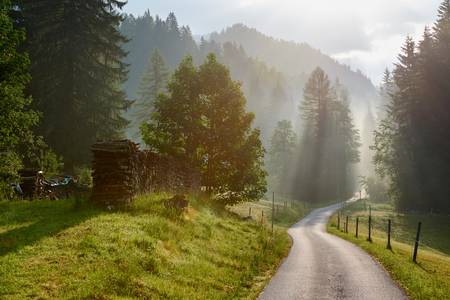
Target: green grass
[[285, 214], [427, 279], [69, 249]]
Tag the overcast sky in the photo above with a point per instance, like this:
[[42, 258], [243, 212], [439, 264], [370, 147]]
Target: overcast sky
[[365, 34]]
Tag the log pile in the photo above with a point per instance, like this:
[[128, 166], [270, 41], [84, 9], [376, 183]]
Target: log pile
[[121, 171], [115, 172]]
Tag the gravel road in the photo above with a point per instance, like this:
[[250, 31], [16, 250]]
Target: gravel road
[[323, 266]]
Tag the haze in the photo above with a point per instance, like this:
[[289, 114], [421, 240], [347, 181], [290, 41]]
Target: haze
[[367, 35]]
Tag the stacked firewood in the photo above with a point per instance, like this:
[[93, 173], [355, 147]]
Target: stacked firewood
[[115, 172], [148, 175], [121, 171]]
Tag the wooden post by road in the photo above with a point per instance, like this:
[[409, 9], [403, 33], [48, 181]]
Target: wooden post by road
[[416, 244], [339, 221], [273, 209], [370, 224], [357, 224], [389, 235], [346, 224]]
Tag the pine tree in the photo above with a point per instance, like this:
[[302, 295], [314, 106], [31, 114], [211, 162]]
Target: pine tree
[[77, 69], [438, 92], [16, 117], [153, 82], [330, 142], [283, 144], [396, 143], [316, 114], [346, 145], [369, 127], [316, 105], [386, 91]]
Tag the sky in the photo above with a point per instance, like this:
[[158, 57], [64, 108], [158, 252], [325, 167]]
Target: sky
[[364, 34]]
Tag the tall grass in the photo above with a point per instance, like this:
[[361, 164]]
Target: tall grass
[[62, 249]]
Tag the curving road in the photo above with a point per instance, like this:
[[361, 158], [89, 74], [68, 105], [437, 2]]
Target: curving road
[[323, 266]]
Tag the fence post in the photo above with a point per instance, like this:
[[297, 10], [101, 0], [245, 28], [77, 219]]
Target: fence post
[[273, 209], [357, 224], [416, 244], [389, 235], [370, 224], [346, 224], [339, 220]]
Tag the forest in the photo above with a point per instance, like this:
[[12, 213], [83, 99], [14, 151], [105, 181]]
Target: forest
[[254, 151], [70, 79]]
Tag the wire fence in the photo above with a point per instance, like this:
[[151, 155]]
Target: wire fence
[[389, 227]]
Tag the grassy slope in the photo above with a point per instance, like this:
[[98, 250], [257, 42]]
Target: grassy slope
[[68, 249], [430, 277]]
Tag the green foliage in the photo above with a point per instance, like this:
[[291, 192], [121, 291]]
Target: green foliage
[[427, 279], [281, 153], [39, 156], [84, 175], [58, 251], [202, 121], [16, 117], [77, 69], [410, 143], [267, 90], [377, 189], [153, 82], [330, 143]]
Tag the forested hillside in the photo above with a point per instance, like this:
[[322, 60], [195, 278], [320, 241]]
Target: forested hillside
[[273, 84], [295, 59]]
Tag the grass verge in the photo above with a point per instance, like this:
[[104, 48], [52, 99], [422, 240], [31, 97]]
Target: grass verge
[[427, 279], [69, 249]]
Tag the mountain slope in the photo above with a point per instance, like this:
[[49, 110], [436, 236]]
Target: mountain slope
[[294, 59]]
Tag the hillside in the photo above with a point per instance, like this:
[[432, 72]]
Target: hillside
[[272, 72], [295, 59], [72, 250]]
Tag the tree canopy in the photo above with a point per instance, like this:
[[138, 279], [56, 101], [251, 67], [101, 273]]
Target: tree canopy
[[77, 70], [202, 120], [411, 143], [16, 117]]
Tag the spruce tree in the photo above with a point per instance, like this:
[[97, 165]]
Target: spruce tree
[[77, 70], [153, 82], [396, 143], [283, 144], [346, 145], [330, 142]]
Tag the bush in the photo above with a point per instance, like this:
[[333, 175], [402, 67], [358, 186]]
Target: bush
[[377, 190], [84, 175]]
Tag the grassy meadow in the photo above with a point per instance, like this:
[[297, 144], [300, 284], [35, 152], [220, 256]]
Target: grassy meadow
[[70, 249], [429, 278]]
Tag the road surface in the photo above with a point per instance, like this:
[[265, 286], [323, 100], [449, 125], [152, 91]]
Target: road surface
[[323, 266]]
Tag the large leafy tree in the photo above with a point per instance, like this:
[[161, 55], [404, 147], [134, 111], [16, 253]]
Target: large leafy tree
[[202, 121], [16, 117], [77, 69]]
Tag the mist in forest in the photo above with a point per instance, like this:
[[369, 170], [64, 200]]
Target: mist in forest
[[330, 121]]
